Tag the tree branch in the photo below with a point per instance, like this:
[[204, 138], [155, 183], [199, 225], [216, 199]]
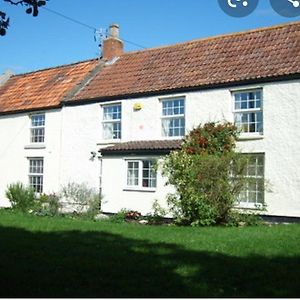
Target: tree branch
[[14, 2]]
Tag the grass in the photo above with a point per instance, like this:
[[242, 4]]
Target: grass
[[60, 257]]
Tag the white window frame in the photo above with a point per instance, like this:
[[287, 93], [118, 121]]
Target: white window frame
[[255, 110], [139, 186], [165, 118], [258, 179], [38, 173], [111, 121], [37, 127]]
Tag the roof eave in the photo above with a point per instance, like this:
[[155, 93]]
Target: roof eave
[[135, 152], [70, 102], [20, 111]]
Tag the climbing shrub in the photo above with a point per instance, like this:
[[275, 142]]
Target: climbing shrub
[[207, 174]]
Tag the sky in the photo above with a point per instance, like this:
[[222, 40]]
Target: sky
[[50, 40]]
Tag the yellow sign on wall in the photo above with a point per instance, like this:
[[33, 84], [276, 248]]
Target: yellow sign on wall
[[137, 106]]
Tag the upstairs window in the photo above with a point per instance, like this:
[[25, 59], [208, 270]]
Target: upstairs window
[[248, 113], [173, 120], [141, 174], [37, 128], [112, 122], [253, 193], [36, 171]]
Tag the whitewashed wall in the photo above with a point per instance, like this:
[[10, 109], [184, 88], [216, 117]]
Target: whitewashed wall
[[75, 131], [81, 131], [15, 149], [117, 197], [280, 142]]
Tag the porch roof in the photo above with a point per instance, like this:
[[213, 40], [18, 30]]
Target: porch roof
[[148, 146]]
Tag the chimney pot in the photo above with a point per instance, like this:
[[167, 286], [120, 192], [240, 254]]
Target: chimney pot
[[112, 45], [114, 31]]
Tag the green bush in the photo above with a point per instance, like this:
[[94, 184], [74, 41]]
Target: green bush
[[207, 174], [86, 199], [94, 206], [48, 205], [21, 198], [236, 219], [119, 217], [157, 214]]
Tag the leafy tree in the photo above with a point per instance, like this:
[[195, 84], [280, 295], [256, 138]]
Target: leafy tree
[[32, 7], [207, 173]]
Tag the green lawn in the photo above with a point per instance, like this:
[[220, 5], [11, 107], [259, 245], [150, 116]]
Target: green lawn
[[59, 257]]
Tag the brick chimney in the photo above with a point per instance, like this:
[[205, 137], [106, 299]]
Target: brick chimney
[[112, 45]]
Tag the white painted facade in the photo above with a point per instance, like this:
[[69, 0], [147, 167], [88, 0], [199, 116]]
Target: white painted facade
[[73, 132]]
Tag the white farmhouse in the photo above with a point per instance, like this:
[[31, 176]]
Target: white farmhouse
[[107, 121]]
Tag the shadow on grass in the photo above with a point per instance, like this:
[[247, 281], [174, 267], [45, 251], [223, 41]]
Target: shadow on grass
[[101, 264]]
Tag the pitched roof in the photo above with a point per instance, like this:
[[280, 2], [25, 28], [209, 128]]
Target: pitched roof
[[251, 55], [160, 146], [43, 89], [271, 52]]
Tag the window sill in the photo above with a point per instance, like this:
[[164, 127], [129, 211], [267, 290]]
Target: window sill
[[255, 136], [139, 189], [109, 142], [35, 146], [180, 137], [246, 205]]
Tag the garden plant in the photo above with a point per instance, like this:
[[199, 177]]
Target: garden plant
[[208, 175]]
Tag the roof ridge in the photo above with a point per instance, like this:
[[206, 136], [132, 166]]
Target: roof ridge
[[265, 28], [56, 67], [248, 31]]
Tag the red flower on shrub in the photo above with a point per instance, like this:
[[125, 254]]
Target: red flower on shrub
[[203, 142], [134, 215]]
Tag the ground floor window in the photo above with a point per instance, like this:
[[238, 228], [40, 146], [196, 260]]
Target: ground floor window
[[36, 171], [141, 173], [253, 193]]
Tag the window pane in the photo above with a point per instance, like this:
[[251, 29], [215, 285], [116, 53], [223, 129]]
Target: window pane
[[36, 166], [173, 107], [36, 182], [133, 173], [244, 96], [37, 135], [37, 131], [249, 122], [36, 170], [38, 120], [149, 174], [254, 190], [117, 130], [251, 104], [244, 105], [237, 105], [173, 127], [112, 112], [108, 130], [112, 130]]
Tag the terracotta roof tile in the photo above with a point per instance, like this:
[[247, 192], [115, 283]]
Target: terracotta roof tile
[[42, 89], [142, 146], [257, 54], [262, 53]]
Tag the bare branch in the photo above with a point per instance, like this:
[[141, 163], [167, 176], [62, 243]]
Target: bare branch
[[14, 2]]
